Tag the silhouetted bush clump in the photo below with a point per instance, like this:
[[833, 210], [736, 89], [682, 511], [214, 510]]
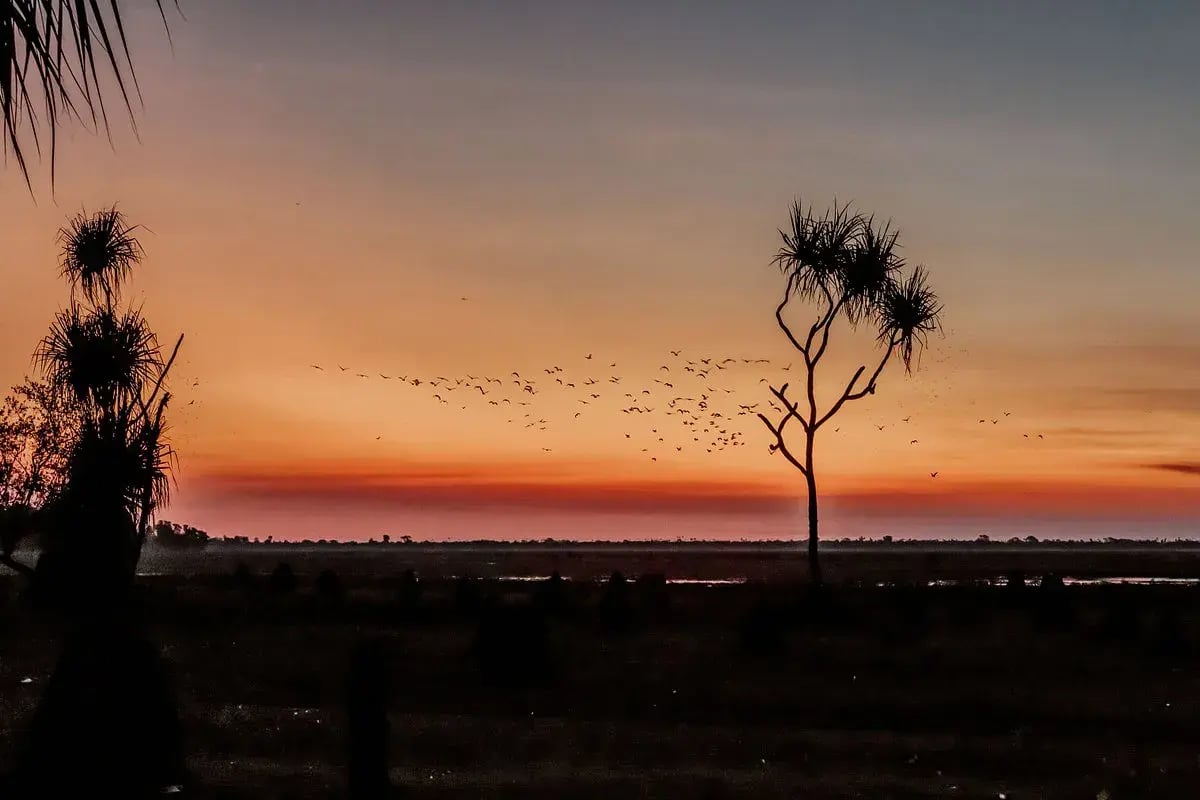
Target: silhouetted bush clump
[[330, 588], [551, 595], [243, 578], [615, 612], [512, 646], [468, 596], [283, 579], [1054, 609], [409, 592], [1052, 582], [652, 586]]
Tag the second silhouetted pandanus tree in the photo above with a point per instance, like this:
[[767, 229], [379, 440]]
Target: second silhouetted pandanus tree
[[846, 266], [108, 363]]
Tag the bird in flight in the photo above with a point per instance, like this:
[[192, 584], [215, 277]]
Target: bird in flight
[[676, 352], [914, 441], [377, 438], [906, 419], [880, 427], [315, 366], [588, 356], [933, 474], [343, 369]]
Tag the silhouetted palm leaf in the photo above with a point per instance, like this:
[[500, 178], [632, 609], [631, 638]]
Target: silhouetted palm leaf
[[99, 252], [910, 311], [52, 54], [814, 250], [100, 357], [868, 268]]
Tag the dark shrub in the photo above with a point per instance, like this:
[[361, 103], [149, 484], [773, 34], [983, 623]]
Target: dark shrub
[[652, 587], [512, 646], [283, 579], [1014, 580], [409, 593], [551, 595], [911, 605], [1052, 582], [329, 587], [468, 596], [1054, 609], [243, 578], [614, 611]]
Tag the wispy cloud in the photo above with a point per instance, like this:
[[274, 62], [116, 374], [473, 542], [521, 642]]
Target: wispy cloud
[[1178, 467]]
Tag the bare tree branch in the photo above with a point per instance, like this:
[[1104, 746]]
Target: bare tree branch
[[781, 443], [787, 296], [868, 388]]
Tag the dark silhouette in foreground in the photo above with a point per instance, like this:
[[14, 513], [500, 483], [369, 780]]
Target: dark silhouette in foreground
[[107, 723], [367, 725]]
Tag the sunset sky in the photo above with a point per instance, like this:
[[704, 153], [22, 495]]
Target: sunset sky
[[323, 182]]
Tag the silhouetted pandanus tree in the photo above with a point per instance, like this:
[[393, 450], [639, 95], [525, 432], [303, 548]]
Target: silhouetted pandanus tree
[[53, 56], [846, 265], [107, 362]]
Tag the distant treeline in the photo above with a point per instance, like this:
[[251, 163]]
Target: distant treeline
[[787, 544]]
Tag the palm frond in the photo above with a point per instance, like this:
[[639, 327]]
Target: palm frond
[[99, 252], [813, 250], [909, 312], [100, 356], [868, 267], [53, 56]]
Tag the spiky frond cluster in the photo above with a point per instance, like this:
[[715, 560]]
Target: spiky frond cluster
[[99, 252], [121, 459], [850, 262], [53, 54], [908, 313], [100, 356]]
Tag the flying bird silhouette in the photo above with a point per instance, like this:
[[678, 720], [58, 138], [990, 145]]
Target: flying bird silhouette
[[315, 366]]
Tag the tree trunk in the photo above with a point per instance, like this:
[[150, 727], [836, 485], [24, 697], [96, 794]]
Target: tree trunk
[[814, 558]]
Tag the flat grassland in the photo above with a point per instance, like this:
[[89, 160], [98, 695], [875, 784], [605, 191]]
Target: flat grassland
[[758, 689]]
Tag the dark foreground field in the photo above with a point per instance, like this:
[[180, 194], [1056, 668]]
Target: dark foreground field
[[757, 690]]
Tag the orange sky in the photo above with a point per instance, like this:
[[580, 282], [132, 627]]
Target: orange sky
[[334, 209]]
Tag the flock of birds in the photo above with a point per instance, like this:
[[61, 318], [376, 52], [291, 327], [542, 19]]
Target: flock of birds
[[688, 408]]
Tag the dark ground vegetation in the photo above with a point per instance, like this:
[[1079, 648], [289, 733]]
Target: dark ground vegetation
[[578, 688]]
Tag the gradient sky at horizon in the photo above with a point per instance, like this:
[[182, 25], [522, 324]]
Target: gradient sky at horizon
[[322, 181]]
